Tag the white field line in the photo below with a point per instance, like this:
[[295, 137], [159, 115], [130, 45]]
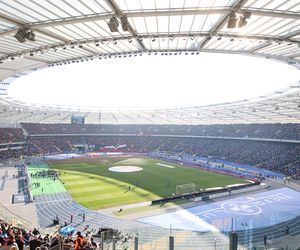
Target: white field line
[[164, 165]]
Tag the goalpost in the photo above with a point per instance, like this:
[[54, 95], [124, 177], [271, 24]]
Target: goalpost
[[186, 188]]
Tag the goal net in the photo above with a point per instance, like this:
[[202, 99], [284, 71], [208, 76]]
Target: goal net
[[186, 188]]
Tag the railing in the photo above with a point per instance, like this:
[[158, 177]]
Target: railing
[[14, 219], [18, 221]]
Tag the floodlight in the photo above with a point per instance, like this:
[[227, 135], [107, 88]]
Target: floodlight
[[21, 35], [247, 14], [113, 24], [243, 19], [242, 22], [232, 22], [30, 35], [24, 34], [125, 25]]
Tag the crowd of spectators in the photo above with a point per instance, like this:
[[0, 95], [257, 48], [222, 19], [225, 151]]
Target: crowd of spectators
[[17, 238], [287, 131], [10, 135], [276, 156], [11, 143], [11, 153], [45, 145]]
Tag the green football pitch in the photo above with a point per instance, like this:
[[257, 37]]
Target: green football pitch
[[93, 185], [46, 185]]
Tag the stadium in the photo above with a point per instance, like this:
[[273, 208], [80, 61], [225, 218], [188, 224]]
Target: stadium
[[213, 176]]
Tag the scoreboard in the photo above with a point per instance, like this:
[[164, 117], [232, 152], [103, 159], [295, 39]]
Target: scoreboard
[[77, 119]]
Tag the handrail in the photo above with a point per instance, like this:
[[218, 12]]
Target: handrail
[[10, 216]]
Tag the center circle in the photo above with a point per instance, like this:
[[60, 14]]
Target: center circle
[[125, 169]]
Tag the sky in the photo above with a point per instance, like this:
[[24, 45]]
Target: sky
[[152, 81]]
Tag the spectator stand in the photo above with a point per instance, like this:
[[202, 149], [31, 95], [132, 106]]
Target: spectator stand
[[275, 147], [241, 168], [219, 166]]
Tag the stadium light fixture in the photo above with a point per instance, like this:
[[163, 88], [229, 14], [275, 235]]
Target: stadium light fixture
[[232, 22], [125, 24], [238, 20], [30, 35], [21, 35], [25, 34], [243, 19], [113, 24]]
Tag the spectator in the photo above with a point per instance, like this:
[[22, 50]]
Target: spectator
[[10, 243], [34, 242], [79, 242], [20, 242]]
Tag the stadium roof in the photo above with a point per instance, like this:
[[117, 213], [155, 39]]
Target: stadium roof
[[37, 34]]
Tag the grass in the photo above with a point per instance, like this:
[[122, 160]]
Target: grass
[[47, 185], [93, 185]]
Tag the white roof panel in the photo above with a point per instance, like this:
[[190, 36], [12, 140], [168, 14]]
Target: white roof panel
[[74, 31]]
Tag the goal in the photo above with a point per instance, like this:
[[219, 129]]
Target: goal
[[186, 188]]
